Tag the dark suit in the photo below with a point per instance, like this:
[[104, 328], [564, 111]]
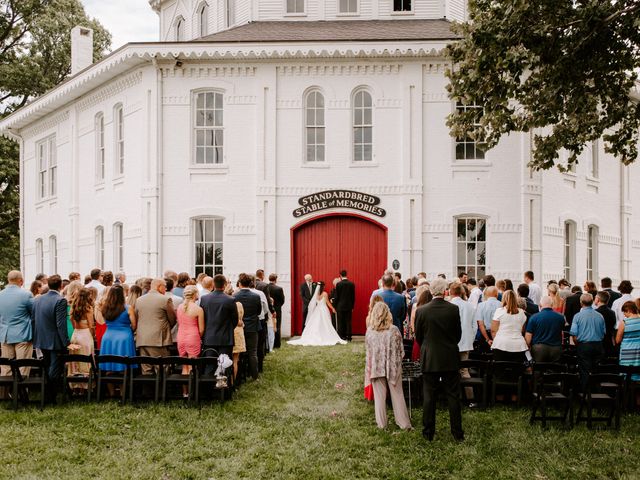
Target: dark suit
[[438, 332], [532, 308], [51, 337], [613, 296], [345, 300], [306, 295], [610, 330], [572, 306], [220, 319], [277, 295], [252, 309]]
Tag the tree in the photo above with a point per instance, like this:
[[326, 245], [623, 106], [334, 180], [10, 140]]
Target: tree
[[564, 69], [35, 55]]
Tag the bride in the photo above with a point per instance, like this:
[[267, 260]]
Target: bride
[[319, 330]]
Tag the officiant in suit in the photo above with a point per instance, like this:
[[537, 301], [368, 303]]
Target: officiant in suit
[[306, 292], [345, 300]]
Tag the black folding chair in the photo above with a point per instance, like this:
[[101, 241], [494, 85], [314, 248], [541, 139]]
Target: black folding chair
[[6, 381], [480, 371], [554, 389], [83, 379], [173, 374], [631, 387], [203, 379], [136, 377], [507, 376], [37, 378], [604, 391], [117, 378]]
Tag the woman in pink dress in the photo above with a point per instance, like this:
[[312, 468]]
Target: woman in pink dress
[[190, 329]]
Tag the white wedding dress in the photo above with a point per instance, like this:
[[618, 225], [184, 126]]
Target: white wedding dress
[[318, 330]]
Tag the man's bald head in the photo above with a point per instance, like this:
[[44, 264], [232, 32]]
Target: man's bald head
[[491, 292], [15, 277], [308, 278], [546, 302], [207, 283]]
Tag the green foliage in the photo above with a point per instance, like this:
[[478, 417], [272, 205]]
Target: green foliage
[[35, 55], [563, 69], [305, 418]]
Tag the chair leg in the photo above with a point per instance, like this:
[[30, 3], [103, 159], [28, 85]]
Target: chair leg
[[42, 390], [99, 387], [534, 409], [589, 412], [544, 412], [164, 388], [617, 410]]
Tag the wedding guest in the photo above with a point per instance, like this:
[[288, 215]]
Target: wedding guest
[[199, 279], [145, 284], [565, 288], [475, 294], [468, 326], [572, 304], [590, 288], [557, 302], [206, 287], [135, 292], [190, 321], [121, 322], [220, 317], [239, 345], [51, 336], [438, 332], [587, 330], [70, 294], [16, 332], [423, 296], [252, 310], [183, 278], [484, 316], [121, 278], [36, 288], [96, 276], [508, 284], [81, 310], [177, 300], [277, 295], [544, 333], [600, 304], [628, 337], [535, 292], [394, 301], [384, 352], [156, 316], [264, 317], [531, 308], [74, 276], [170, 274], [268, 329], [42, 277], [375, 299], [306, 293], [345, 301], [107, 278], [506, 330], [605, 284], [625, 288], [87, 280], [100, 323]]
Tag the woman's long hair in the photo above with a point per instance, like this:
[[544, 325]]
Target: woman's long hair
[[190, 296], [510, 302], [81, 304], [425, 297], [135, 292], [113, 304], [380, 317]]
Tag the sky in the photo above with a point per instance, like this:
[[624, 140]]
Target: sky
[[127, 20]]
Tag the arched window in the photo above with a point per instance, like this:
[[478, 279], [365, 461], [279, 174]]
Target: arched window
[[471, 243], [362, 127], [230, 12], [39, 256], [208, 131], [53, 254], [208, 246], [118, 135], [314, 126], [99, 131], [179, 29], [569, 250], [99, 244], [203, 19], [118, 247], [592, 253]]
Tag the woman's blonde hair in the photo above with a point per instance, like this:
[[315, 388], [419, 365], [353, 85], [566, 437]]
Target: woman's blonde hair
[[380, 317], [72, 290], [372, 303], [190, 295], [510, 302]]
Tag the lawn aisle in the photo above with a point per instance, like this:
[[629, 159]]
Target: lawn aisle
[[304, 418]]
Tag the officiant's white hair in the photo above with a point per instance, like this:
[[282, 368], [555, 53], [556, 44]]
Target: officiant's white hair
[[438, 287]]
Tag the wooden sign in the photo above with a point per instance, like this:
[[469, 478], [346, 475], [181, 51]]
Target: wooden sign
[[327, 199]]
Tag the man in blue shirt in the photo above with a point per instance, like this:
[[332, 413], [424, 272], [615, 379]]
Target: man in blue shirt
[[396, 302], [587, 330], [484, 316], [15, 321], [544, 333]]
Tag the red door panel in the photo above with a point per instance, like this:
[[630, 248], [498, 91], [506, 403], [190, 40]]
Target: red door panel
[[325, 245]]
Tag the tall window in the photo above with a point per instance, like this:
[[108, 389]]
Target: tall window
[[39, 256], [118, 247], [295, 6], [348, 6], [362, 127], [314, 126], [99, 147], [569, 250], [230, 12], [209, 128], [203, 19], [118, 125], [179, 30], [592, 253], [468, 148], [47, 167], [208, 246], [595, 146], [99, 244], [53, 254], [402, 5], [472, 246]]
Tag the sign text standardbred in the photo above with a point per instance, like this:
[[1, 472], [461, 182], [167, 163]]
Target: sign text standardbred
[[339, 199]]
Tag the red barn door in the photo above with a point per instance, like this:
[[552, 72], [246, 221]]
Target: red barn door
[[324, 245]]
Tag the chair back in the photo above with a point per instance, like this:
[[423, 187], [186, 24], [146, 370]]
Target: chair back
[[598, 381], [78, 359], [544, 367], [17, 364], [552, 380], [607, 367], [112, 359], [482, 366]]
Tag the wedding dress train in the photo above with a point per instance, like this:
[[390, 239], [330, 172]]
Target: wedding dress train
[[318, 330]]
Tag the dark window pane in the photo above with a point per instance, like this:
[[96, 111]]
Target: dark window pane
[[482, 230], [459, 151], [462, 229]]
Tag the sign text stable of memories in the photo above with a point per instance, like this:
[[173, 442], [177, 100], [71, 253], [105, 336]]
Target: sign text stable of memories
[[339, 199]]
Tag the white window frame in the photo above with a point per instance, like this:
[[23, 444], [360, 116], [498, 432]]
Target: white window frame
[[218, 152], [118, 247], [39, 256], [118, 138], [363, 125], [349, 3], [47, 167], [466, 266], [465, 141], [53, 255], [402, 10], [592, 253], [569, 250], [316, 126], [216, 240], [595, 160], [100, 148], [295, 10], [99, 245], [179, 29]]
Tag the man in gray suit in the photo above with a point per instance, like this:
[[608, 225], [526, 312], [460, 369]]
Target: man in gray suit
[[50, 336], [156, 316]]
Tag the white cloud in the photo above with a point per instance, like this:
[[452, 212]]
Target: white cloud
[[127, 20]]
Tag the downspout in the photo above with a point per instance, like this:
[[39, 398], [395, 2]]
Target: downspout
[[18, 138], [159, 163]]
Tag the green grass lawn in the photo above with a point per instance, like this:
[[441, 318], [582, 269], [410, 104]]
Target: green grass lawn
[[305, 418]]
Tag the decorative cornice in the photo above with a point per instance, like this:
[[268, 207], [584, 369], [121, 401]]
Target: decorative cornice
[[289, 103], [435, 97], [360, 70], [110, 91], [372, 189], [553, 231], [46, 124], [436, 68], [612, 240], [240, 100], [239, 229], [438, 228], [389, 103], [175, 230], [532, 189], [635, 244], [198, 71], [505, 227]]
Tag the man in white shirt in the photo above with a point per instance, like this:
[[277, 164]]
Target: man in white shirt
[[469, 329], [96, 276], [264, 319], [625, 288], [206, 286], [535, 292], [476, 292]]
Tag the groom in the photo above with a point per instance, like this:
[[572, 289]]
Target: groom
[[306, 292], [345, 300]]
